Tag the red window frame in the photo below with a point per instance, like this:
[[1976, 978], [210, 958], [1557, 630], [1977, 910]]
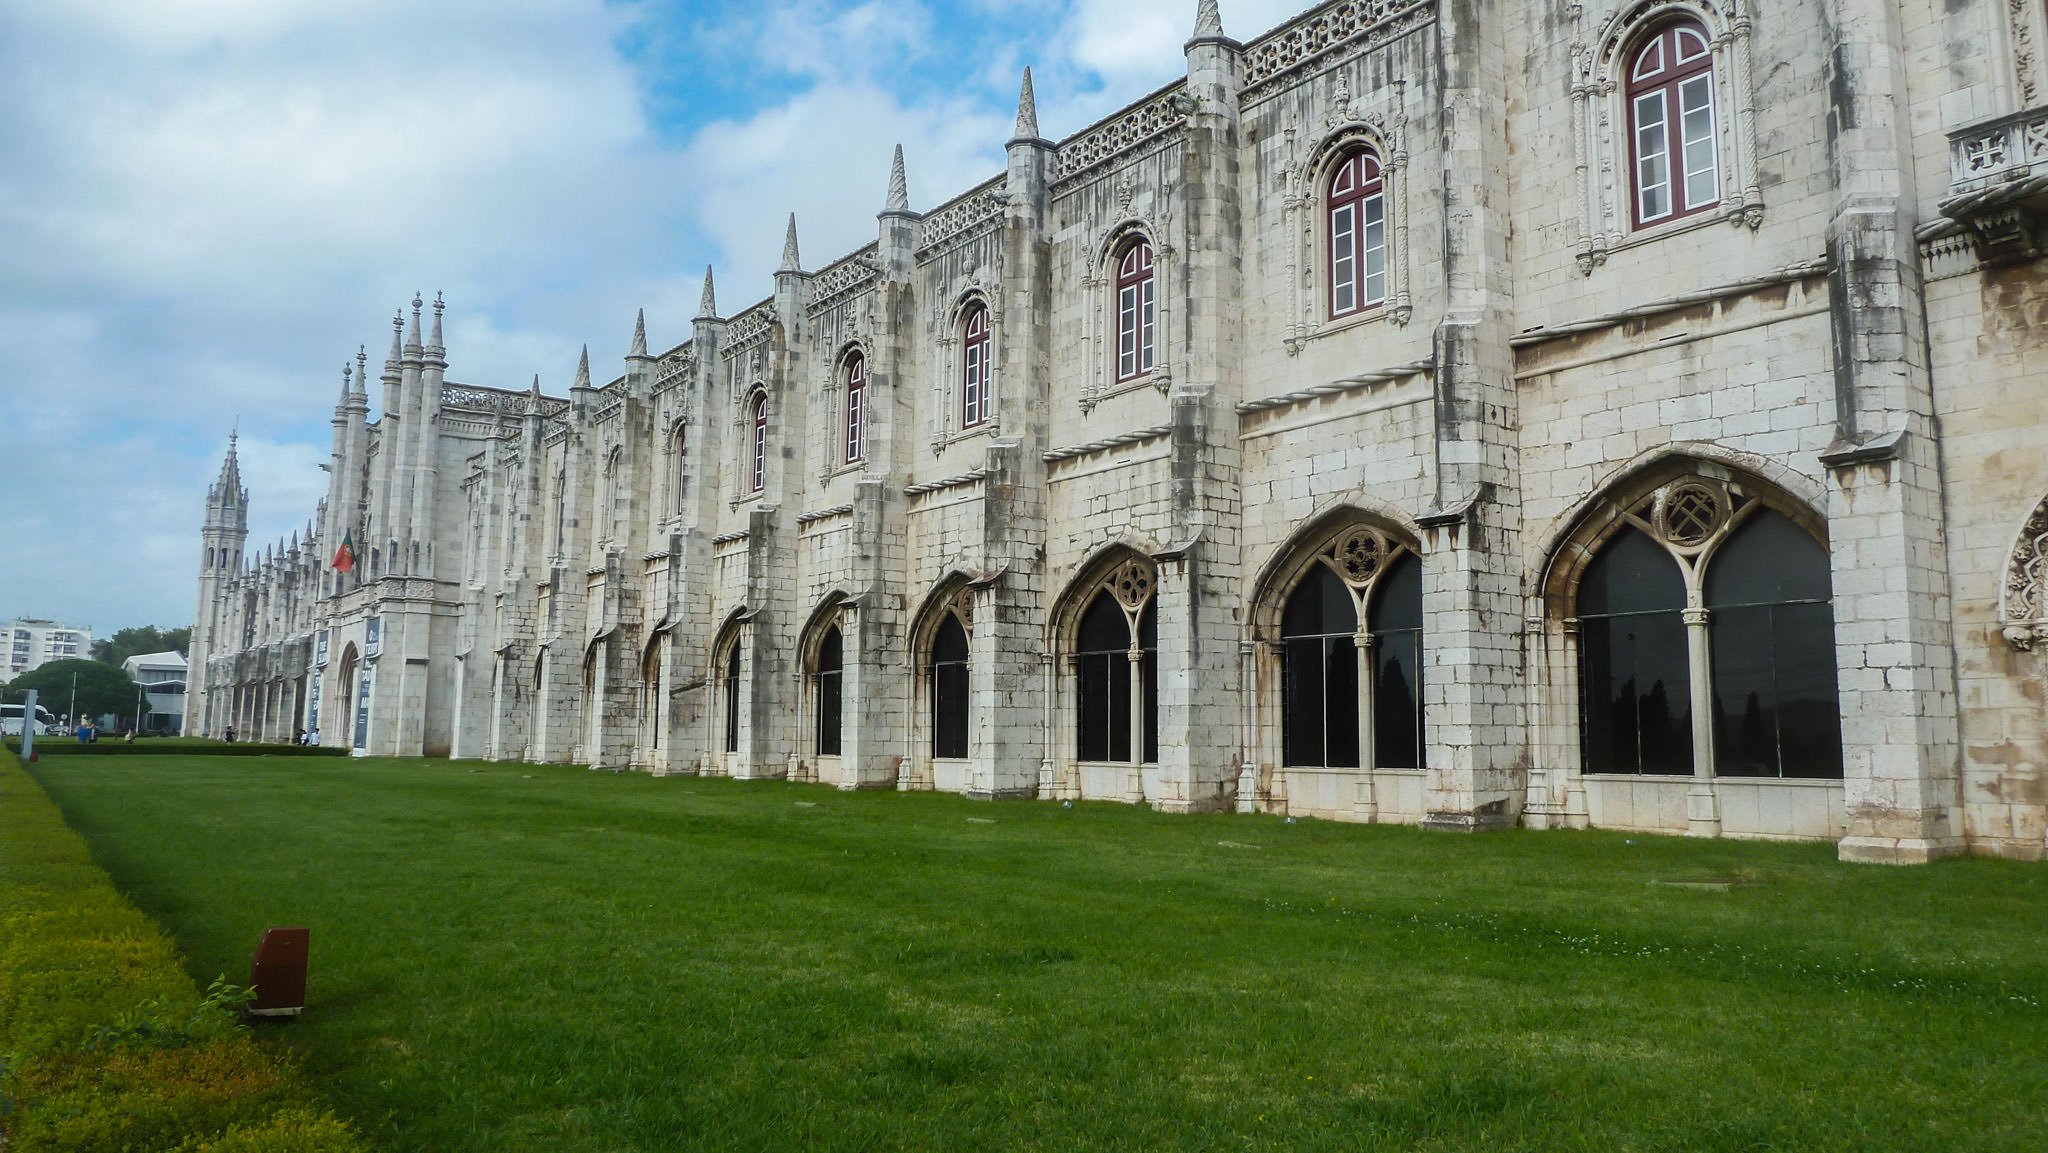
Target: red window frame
[[977, 342], [856, 407], [1136, 311], [1355, 223], [1671, 71], [760, 442]]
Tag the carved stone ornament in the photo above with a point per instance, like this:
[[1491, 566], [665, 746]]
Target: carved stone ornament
[[2024, 611], [1132, 584], [1688, 514], [1359, 555]]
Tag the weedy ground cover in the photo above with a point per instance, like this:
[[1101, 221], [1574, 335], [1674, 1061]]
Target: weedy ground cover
[[538, 958]]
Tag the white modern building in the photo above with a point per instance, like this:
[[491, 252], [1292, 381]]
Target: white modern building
[[32, 641], [162, 677]]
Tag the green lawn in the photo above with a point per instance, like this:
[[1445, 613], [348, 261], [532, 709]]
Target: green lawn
[[514, 958]]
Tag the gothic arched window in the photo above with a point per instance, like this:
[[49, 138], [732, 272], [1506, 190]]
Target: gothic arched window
[[1634, 678], [1332, 695], [732, 697], [831, 666], [759, 464], [1134, 310], [1394, 622], [1704, 577], [1675, 169], [678, 481], [977, 343], [1102, 653], [1357, 222], [1771, 629], [949, 689], [1320, 689], [856, 407]]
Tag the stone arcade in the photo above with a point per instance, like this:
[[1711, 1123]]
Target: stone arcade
[[1619, 414]]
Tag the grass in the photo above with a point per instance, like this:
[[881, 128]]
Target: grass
[[534, 958]]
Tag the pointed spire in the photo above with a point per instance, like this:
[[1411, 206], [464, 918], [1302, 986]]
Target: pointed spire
[[397, 330], [536, 385], [583, 370], [1027, 111], [439, 304], [412, 339], [362, 370], [228, 488], [1208, 21], [899, 186], [707, 305], [639, 335], [348, 377], [790, 261]]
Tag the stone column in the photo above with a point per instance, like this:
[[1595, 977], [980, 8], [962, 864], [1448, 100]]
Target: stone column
[[1702, 803]]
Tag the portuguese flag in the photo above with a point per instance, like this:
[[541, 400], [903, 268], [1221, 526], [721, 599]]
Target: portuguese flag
[[345, 555]]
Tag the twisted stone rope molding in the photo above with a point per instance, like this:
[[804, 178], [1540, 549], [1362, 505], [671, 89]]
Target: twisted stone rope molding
[[816, 515], [950, 482], [729, 538], [1121, 440], [1968, 203], [1802, 270], [1335, 387]]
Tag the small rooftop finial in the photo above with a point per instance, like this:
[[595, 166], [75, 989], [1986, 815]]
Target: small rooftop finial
[[583, 369], [1208, 21], [707, 305], [439, 304], [1027, 110], [639, 335], [362, 369], [791, 262], [899, 185], [348, 376]]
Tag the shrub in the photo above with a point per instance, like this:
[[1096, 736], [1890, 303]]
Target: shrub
[[66, 747]]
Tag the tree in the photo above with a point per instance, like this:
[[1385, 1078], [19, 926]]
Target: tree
[[141, 639], [101, 689]]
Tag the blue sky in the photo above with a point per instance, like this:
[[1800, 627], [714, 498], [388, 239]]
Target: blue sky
[[206, 205]]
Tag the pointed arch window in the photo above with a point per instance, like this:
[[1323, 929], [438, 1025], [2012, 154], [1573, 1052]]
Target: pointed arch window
[[1348, 691], [678, 479], [977, 341], [1135, 311], [1675, 168], [607, 504], [831, 668], [650, 694], [856, 407], [1357, 229], [758, 469], [1108, 641], [949, 688], [732, 696], [1705, 577]]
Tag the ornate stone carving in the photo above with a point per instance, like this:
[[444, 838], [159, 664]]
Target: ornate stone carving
[[1131, 584], [1360, 555], [1162, 113], [969, 214], [844, 279], [2023, 611], [1272, 56]]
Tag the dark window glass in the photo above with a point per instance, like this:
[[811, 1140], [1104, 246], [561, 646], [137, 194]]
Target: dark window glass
[[949, 689], [1319, 689], [1148, 640], [1634, 675], [1772, 632], [1395, 620], [831, 662], [1103, 675], [732, 699]]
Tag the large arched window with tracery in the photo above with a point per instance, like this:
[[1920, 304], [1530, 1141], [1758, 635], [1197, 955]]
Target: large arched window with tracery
[[977, 341], [1704, 576], [758, 469], [856, 408], [1672, 136], [1356, 219], [949, 687], [1135, 310], [831, 667], [1346, 691], [1116, 669]]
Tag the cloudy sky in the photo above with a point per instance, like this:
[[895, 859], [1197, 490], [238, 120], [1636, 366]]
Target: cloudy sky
[[207, 205]]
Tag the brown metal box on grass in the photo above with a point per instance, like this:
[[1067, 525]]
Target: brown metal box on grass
[[278, 973]]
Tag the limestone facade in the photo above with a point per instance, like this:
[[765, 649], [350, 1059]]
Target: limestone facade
[[1517, 426]]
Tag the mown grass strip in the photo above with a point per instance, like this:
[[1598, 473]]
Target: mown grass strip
[[107, 1043], [516, 957]]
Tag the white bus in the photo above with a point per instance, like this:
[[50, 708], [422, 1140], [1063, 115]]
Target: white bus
[[10, 720]]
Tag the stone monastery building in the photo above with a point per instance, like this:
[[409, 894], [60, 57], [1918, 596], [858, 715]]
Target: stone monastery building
[[1629, 413]]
